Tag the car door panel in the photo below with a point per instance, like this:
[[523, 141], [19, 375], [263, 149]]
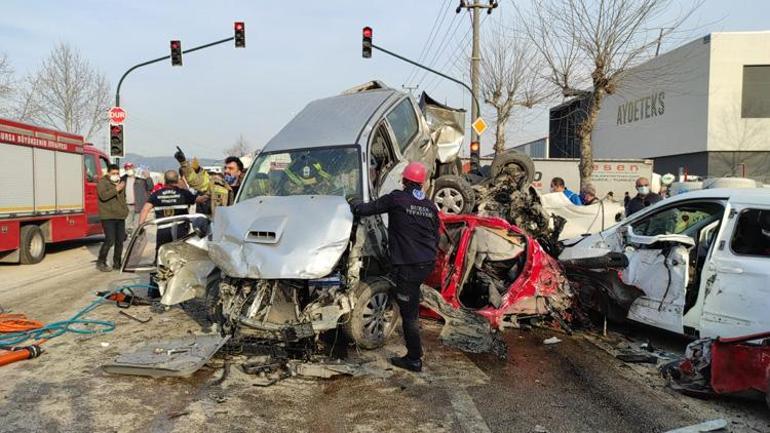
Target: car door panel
[[736, 293], [663, 276]]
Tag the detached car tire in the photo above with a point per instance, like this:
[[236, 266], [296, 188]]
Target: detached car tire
[[31, 245], [453, 195], [374, 316], [522, 161]]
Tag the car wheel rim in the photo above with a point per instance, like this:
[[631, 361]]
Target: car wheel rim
[[377, 316], [449, 200], [36, 245]]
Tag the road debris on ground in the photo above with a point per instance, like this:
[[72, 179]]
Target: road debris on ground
[[713, 425], [717, 366], [464, 329], [552, 340]]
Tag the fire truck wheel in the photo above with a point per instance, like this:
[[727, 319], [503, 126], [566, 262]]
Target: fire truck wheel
[[31, 245]]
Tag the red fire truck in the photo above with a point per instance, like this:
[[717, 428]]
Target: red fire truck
[[47, 190]]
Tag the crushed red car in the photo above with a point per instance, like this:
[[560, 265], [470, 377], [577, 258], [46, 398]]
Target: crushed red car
[[488, 268]]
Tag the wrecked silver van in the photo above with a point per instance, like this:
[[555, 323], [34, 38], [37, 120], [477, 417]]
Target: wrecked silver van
[[287, 260]]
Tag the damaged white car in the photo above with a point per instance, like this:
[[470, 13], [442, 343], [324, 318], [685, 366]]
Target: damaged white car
[[695, 264], [287, 260]]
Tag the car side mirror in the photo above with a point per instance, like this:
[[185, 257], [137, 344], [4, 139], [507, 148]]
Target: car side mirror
[[618, 217]]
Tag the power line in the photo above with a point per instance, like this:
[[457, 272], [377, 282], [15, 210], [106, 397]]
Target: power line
[[441, 46], [431, 39]]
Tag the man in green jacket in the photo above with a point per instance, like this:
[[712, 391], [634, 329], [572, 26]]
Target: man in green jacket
[[112, 212]]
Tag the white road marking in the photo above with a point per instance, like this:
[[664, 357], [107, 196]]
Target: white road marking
[[466, 412]]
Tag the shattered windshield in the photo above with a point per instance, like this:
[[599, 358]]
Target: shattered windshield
[[325, 171]]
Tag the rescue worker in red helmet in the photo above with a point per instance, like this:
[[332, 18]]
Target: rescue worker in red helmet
[[413, 236]]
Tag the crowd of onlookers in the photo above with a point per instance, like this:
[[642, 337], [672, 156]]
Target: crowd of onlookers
[[644, 196], [128, 200]]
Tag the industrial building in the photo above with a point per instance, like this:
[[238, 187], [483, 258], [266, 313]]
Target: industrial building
[[703, 108]]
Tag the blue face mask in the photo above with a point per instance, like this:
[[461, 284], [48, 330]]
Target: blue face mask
[[230, 179]]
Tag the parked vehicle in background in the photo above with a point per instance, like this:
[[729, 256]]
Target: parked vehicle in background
[[695, 264], [48, 181], [617, 176]]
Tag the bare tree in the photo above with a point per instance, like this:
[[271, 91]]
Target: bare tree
[[240, 148], [6, 84], [511, 76], [589, 46], [66, 93]]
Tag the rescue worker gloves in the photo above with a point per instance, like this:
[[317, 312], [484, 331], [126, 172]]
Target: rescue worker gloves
[[179, 155]]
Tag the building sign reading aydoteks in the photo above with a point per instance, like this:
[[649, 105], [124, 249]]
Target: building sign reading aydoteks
[[643, 108]]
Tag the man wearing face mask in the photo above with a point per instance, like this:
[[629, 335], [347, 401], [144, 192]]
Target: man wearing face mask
[[112, 212], [643, 198], [233, 174], [138, 190]]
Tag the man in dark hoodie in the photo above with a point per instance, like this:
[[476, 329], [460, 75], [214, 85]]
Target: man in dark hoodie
[[413, 226], [112, 212]]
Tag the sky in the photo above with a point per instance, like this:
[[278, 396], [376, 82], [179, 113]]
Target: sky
[[295, 52]]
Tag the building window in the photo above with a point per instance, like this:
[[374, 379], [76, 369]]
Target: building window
[[756, 91]]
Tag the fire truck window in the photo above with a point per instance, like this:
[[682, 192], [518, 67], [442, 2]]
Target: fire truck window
[[752, 233], [91, 172], [105, 163]]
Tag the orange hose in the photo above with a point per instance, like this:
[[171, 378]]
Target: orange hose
[[18, 323]]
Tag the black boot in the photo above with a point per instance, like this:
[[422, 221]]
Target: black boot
[[103, 267], [407, 364]]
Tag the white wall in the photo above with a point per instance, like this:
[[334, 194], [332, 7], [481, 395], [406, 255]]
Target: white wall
[[660, 108], [727, 130]]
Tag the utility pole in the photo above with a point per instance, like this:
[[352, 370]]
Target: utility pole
[[475, 6]]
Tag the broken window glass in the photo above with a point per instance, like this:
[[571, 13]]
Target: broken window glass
[[751, 236], [323, 171], [686, 218]]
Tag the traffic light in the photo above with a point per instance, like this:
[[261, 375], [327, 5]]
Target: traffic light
[[116, 141], [367, 43], [475, 156], [240, 34], [176, 53]]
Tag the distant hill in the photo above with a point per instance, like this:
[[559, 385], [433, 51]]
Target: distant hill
[[162, 163]]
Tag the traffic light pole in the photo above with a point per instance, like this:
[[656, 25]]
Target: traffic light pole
[[454, 80], [160, 59]]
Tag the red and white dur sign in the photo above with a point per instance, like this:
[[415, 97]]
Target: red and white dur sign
[[117, 115]]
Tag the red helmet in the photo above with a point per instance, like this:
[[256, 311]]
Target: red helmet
[[415, 172], [128, 165]]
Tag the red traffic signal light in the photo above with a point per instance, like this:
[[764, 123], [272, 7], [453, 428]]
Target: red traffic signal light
[[176, 53], [116, 141], [474, 147], [240, 34], [367, 42]]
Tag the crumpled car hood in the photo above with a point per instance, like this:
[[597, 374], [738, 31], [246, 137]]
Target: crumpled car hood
[[300, 237]]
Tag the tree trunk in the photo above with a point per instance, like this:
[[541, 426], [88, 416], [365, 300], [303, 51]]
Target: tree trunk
[[500, 136], [586, 130]]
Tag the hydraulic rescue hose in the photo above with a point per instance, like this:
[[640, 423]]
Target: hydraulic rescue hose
[[16, 329]]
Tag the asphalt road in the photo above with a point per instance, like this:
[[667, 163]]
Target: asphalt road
[[573, 386]]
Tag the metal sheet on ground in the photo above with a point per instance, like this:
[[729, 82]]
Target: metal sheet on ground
[[170, 358]]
